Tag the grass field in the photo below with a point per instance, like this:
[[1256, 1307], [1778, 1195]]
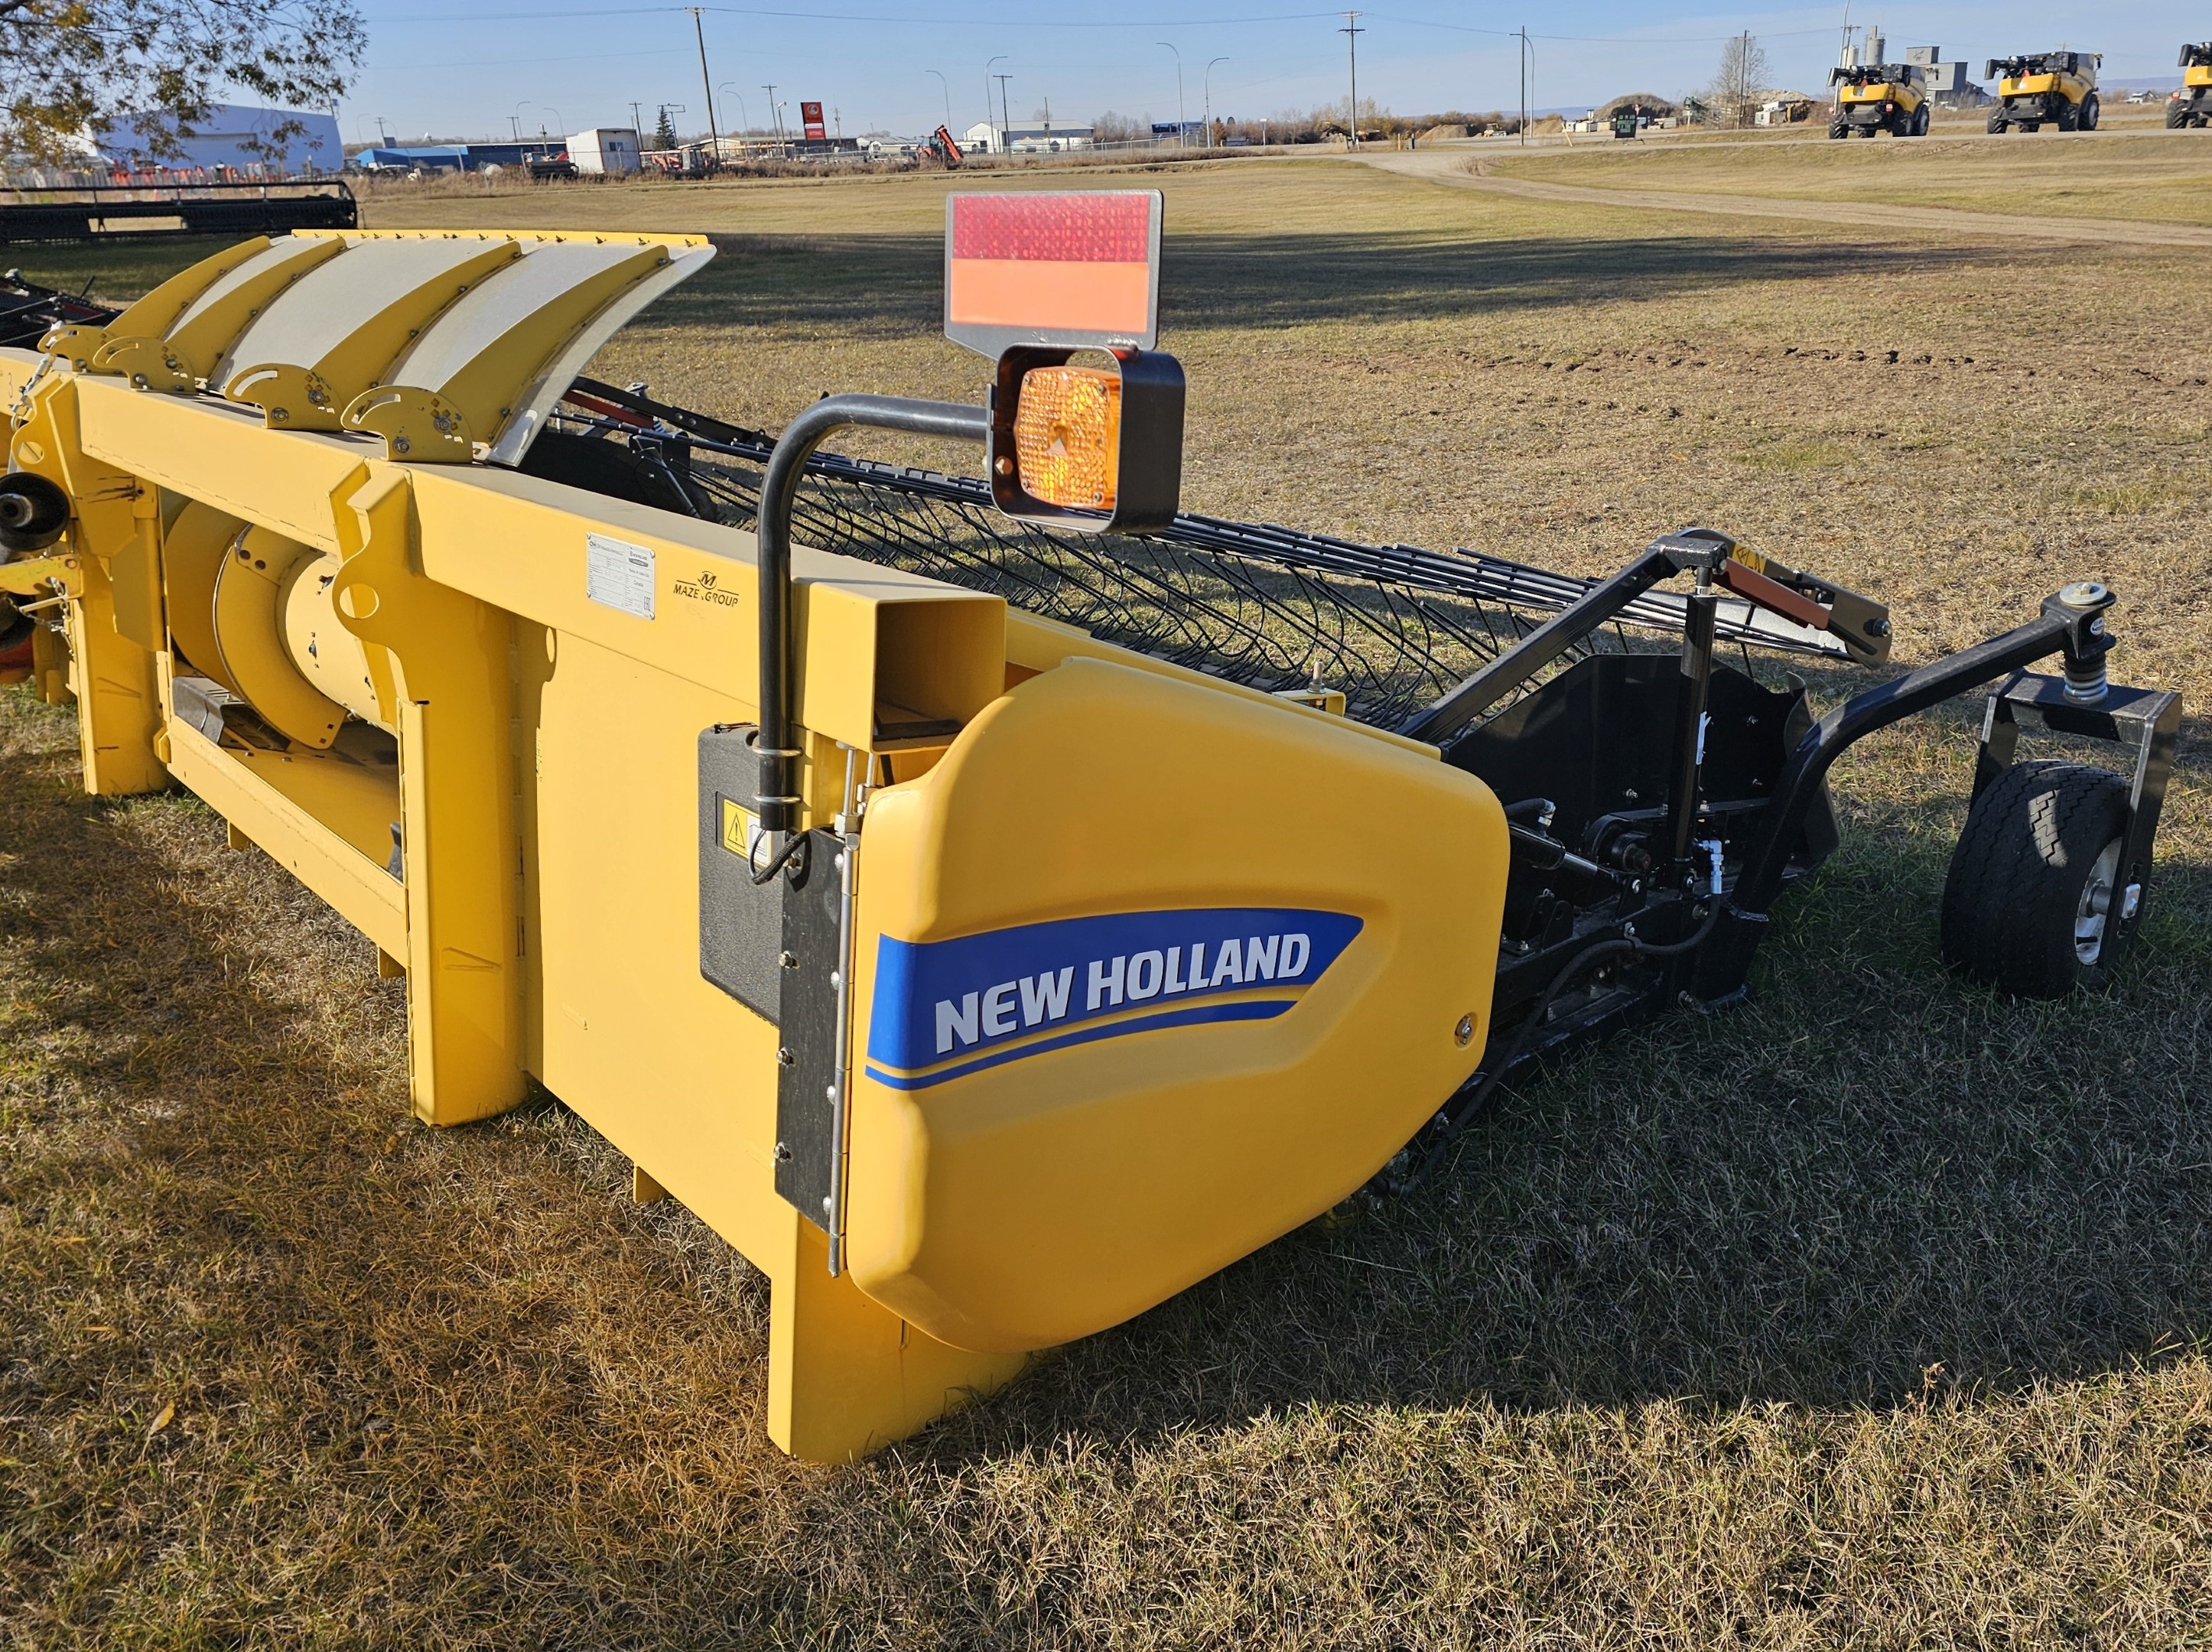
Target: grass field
[[2156, 175], [1872, 1315]]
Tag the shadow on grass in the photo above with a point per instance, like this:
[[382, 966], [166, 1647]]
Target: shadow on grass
[[873, 286], [1871, 1174], [204, 1146], [1872, 1181]]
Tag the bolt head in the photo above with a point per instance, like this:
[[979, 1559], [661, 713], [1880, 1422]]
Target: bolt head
[[2084, 593], [1463, 1033]]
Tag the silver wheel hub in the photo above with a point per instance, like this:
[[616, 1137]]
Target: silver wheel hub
[[2095, 907]]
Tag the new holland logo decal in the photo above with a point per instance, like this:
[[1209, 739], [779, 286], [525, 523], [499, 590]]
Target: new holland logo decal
[[945, 1008]]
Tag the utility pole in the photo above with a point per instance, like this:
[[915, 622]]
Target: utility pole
[[775, 119], [1005, 121], [707, 82], [1352, 32], [999, 143], [1743, 78], [636, 120], [1524, 85]]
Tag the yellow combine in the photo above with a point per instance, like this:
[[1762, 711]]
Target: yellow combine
[[985, 971], [2191, 102], [1873, 98], [2047, 88]]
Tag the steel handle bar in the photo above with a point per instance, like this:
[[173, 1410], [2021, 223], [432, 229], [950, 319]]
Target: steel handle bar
[[777, 798]]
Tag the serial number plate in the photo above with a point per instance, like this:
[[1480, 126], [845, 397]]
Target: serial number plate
[[618, 574]]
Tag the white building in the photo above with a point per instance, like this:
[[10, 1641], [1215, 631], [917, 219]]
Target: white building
[[984, 137], [228, 136], [605, 151]]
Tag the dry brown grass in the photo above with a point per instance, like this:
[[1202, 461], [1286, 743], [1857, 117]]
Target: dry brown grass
[[1872, 1315]]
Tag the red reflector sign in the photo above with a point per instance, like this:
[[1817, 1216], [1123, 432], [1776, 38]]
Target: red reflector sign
[[1075, 270]]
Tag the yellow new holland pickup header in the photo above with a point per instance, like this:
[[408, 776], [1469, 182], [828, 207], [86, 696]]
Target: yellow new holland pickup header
[[983, 979]]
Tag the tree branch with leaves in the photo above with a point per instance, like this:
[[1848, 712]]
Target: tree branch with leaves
[[71, 70], [1742, 80]]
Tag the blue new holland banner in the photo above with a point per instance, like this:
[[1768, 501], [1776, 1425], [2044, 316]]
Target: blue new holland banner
[[943, 1009]]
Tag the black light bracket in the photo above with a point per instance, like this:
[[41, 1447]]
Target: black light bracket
[[1148, 466]]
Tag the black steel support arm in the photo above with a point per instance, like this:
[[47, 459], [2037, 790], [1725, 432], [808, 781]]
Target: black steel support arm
[[2071, 622], [1604, 602], [1479, 692], [777, 798]]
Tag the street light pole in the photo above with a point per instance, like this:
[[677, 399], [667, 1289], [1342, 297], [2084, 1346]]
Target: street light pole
[[1006, 116], [947, 85], [1182, 123], [515, 119], [1207, 83], [745, 120], [998, 148], [775, 121], [1352, 32]]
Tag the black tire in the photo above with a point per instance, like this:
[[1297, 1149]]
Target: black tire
[[2022, 908], [1996, 123], [2177, 115], [1842, 129], [1920, 121], [2031, 126], [2092, 110]]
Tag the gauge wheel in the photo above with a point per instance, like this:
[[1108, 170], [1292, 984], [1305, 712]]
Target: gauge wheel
[[2034, 903]]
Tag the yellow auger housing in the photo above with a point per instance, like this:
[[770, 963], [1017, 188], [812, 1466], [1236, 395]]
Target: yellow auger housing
[[1100, 987]]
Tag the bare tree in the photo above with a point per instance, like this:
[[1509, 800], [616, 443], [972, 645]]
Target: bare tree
[[1740, 82], [70, 69]]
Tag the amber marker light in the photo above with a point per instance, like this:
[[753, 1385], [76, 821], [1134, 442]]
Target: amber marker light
[[1067, 436]]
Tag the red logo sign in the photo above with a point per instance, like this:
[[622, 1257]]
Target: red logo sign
[[811, 115]]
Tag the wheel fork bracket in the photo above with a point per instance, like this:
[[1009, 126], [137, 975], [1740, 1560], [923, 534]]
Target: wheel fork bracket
[[2148, 720]]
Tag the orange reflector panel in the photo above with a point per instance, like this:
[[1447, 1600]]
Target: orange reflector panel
[[1067, 436], [1078, 269]]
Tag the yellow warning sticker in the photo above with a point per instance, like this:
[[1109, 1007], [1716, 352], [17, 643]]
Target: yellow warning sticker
[[736, 827]]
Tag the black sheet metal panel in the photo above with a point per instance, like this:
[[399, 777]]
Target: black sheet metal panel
[[1597, 740], [805, 1100], [97, 214], [740, 922]]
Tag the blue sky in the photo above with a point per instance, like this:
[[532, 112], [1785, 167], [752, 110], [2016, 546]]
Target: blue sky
[[463, 70]]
